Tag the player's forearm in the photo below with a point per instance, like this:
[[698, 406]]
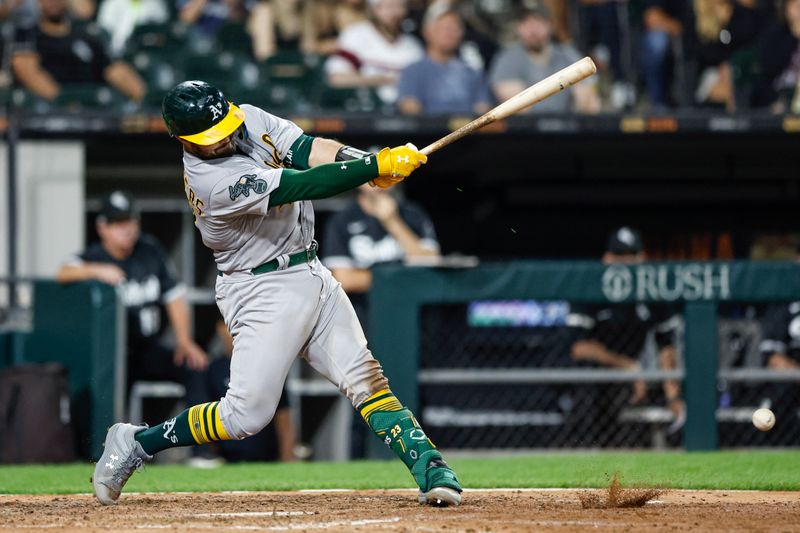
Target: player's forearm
[[123, 78], [323, 151], [781, 361], [354, 79], [596, 351], [353, 280], [323, 181], [76, 273], [35, 79], [408, 240], [178, 313]]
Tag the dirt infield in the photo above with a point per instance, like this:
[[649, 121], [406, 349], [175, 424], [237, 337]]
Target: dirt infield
[[497, 510]]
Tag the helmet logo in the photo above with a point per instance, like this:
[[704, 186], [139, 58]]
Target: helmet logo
[[216, 110]]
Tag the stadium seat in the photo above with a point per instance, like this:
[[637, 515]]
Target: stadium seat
[[233, 37], [151, 389], [362, 99]]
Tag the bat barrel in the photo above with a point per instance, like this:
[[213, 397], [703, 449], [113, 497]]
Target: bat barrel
[[564, 78]]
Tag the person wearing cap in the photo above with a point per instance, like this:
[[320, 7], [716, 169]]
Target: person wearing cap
[[441, 83], [250, 178], [138, 265], [534, 58], [614, 336], [372, 53]]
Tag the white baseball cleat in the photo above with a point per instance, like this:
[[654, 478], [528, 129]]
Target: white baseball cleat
[[121, 457], [440, 497]]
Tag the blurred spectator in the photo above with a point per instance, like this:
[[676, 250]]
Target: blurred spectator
[[779, 61], [373, 52], [441, 83], [55, 53], [721, 28], [780, 351], [614, 336], [661, 43], [138, 265], [120, 17], [376, 228], [207, 17], [24, 13], [274, 25], [534, 58], [324, 20], [277, 441], [602, 30], [560, 18], [479, 43]]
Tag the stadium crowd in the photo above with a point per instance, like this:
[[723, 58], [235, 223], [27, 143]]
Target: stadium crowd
[[407, 56]]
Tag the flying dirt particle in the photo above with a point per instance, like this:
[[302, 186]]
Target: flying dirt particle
[[512, 230], [618, 497], [459, 189]]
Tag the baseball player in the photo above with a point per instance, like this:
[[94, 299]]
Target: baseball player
[[249, 177]]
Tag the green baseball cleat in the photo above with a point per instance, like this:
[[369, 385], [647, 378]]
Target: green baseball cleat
[[438, 485]]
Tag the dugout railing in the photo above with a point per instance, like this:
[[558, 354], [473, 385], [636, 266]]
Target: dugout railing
[[710, 297]]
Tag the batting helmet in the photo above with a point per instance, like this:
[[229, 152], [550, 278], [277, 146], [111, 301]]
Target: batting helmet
[[199, 113]]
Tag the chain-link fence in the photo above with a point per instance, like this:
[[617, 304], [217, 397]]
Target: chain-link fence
[[532, 374]]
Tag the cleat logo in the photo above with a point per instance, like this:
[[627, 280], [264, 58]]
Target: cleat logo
[[110, 463]]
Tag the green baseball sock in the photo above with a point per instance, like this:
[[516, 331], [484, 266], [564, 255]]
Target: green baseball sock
[[397, 427], [197, 425]]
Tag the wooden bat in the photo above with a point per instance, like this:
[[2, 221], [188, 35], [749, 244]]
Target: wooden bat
[[564, 78]]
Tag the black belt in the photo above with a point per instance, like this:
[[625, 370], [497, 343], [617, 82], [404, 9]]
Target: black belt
[[306, 256]]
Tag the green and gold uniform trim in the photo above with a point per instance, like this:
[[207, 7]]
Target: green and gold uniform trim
[[381, 401], [205, 423]]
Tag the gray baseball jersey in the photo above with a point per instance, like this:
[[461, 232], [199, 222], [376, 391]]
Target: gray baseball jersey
[[230, 196]]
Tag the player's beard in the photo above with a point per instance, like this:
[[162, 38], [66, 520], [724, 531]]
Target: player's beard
[[222, 150]]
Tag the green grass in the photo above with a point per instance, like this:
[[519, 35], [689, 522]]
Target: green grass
[[770, 470]]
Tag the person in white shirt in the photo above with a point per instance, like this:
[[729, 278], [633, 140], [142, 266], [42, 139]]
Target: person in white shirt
[[373, 52], [120, 17]]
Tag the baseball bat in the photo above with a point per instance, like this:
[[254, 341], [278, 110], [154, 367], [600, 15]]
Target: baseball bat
[[564, 78]]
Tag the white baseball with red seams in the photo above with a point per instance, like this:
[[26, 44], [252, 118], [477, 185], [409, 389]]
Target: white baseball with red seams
[[763, 419]]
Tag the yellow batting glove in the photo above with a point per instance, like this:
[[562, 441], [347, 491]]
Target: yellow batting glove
[[396, 164]]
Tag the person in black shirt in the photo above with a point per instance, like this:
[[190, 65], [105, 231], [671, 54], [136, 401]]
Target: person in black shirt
[[779, 62], [614, 336], [780, 351], [664, 22], [138, 265], [55, 53], [376, 228]]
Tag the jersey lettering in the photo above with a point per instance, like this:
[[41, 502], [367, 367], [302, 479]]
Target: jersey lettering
[[275, 159], [195, 203]]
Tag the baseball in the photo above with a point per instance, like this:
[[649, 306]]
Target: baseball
[[763, 419]]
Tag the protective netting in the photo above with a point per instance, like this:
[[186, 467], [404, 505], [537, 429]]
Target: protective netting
[[526, 374]]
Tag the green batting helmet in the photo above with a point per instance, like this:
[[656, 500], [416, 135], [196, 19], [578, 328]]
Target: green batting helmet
[[199, 113]]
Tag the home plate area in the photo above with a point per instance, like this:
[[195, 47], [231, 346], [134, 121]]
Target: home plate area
[[398, 510]]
